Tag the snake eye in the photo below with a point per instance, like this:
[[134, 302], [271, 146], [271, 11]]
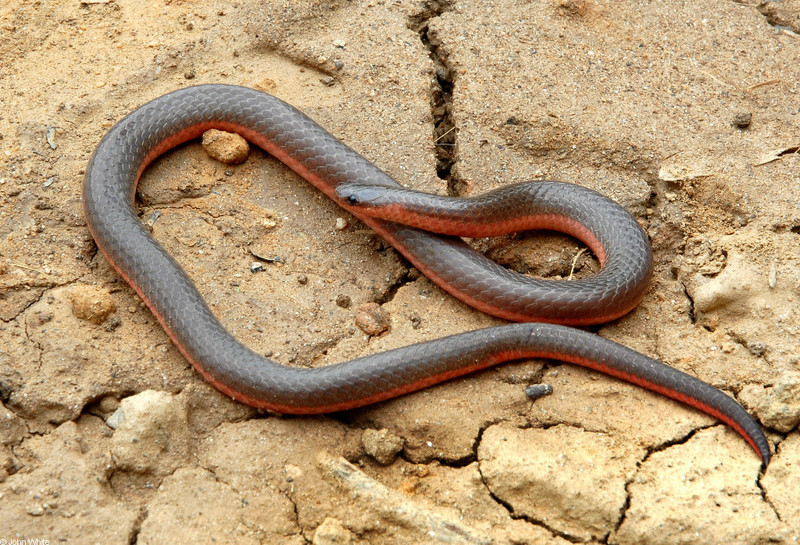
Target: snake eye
[[352, 199]]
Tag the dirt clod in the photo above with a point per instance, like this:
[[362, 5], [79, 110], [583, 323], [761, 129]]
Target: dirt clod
[[332, 532], [152, 435], [372, 319], [226, 147], [742, 120], [382, 445], [92, 304]]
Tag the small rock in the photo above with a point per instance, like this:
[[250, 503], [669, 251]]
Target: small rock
[[757, 348], [112, 323], [92, 304], [51, 135], [152, 434], [343, 300], [742, 120], [372, 319], [535, 391], [35, 510], [332, 532], [226, 147], [382, 445], [116, 419], [341, 224]]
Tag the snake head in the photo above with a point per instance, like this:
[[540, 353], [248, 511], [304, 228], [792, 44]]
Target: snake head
[[361, 194]]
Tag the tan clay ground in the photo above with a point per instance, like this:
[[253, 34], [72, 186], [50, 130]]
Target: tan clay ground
[[687, 113]]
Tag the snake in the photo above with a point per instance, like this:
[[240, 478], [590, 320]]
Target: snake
[[426, 229]]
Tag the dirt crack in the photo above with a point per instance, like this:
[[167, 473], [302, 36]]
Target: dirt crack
[[680, 440], [391, 290], [507, 505], [445, 132], [692, 312], [517, 516], [623, 513]]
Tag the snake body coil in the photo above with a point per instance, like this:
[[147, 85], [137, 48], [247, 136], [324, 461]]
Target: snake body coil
[[297, 141]]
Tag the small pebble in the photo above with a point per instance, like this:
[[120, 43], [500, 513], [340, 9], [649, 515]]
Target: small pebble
[[256, 266], [343, 300], [112, 323], [341, 224], [535, 391], [92, 304], [116, 419], [51, 133], [34, 510], [226, 147], [151, 221], [757, 348], [372, 319], [773, 275], [742, 120]]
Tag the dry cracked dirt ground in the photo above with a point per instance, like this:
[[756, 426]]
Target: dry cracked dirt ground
[[686, 112]]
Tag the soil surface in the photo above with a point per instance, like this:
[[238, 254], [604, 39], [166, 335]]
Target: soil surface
[[687, 113]]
